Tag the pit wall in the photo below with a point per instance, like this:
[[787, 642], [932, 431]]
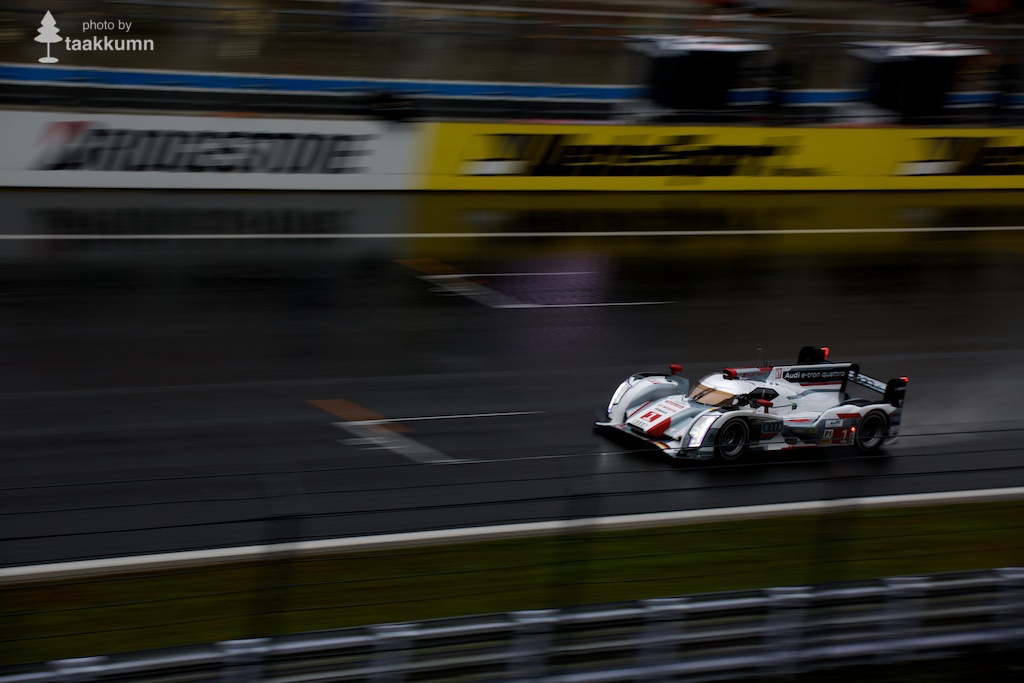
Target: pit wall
[[101, 150]]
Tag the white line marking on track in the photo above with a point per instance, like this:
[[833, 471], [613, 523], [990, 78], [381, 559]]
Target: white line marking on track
[[367, 439], [364, 443], [463, 416], [474, 292], [597, 305], [461, 284], [456, 276], [399, 444], [531, 235]]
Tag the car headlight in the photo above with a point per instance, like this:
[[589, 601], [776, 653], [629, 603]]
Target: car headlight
[[699, 429], [619, 393]]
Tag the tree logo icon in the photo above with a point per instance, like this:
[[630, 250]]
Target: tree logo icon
[[48, 34]]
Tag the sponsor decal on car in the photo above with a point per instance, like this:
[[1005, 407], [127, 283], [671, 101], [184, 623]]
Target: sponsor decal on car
[[811, 376], [650, 416]]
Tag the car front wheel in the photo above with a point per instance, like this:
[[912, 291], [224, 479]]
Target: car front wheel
[[731, 442]]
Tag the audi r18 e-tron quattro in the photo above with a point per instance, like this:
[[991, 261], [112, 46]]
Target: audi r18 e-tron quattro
[[728, 414]]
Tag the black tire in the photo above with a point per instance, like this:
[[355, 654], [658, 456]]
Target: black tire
[[871, 432], [732, 441]]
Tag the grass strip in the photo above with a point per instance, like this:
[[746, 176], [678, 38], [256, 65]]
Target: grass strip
[[286, 594]]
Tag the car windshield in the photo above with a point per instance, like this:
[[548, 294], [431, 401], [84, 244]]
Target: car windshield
[[710, 397]]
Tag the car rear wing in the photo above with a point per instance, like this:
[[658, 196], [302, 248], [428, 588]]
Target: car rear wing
[[892, 391]]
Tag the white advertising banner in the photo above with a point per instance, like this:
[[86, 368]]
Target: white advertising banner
[[101, 150]]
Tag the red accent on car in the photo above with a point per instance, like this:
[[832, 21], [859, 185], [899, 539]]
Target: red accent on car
[[824, 350], [675, 368], [639, 409], [659, 428], [905, 379], [847, 416], [729, 373]]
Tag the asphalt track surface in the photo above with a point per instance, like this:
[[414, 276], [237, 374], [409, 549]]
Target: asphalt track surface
[[311, 366]]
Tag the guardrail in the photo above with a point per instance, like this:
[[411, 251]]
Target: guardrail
[[770, 632]]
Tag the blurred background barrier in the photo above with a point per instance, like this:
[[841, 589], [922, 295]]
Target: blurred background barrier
[[769, 633], [492, 156], [268, 94], [100, 150], [51, 149], [412, 46]]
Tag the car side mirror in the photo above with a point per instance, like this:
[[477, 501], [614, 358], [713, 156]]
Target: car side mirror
[[763, 403]]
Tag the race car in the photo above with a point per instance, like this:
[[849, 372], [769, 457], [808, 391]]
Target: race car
[[739, 410]]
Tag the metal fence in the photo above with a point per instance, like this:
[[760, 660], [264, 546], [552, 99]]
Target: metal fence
[[773, 632]]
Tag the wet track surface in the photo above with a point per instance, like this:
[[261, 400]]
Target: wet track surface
[[171, 394]]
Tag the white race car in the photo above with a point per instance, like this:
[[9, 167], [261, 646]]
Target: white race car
[[772, 408]]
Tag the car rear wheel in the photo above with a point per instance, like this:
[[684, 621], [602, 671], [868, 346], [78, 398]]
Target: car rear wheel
[[731, 442], [871, 432]]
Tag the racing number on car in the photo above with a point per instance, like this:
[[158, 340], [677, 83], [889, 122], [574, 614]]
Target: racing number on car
[[650, 416], [836, 436]]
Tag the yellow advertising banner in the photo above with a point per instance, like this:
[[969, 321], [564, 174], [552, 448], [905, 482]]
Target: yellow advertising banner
[[499, 157]]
